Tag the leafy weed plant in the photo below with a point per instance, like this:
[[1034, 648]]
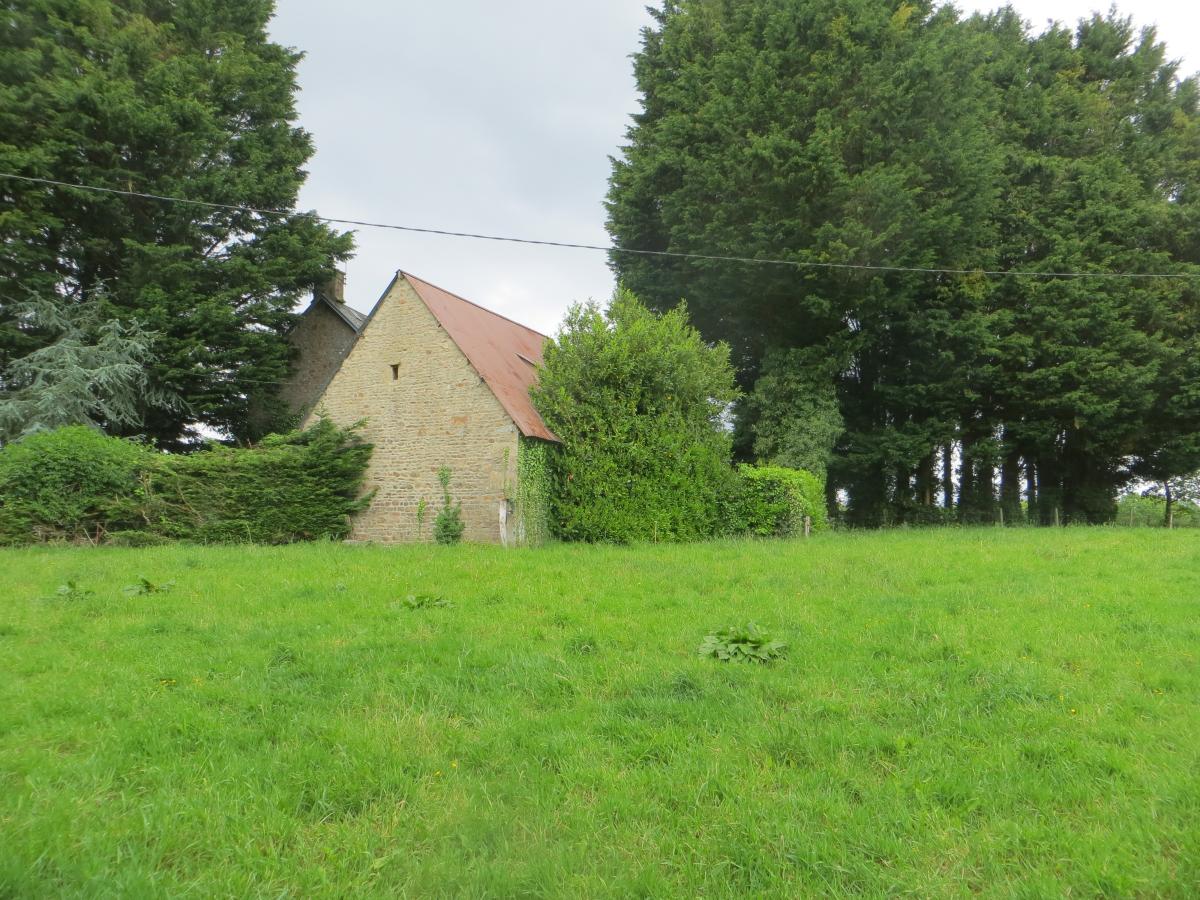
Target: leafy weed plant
[[742, 643], [426, 601], [72, 590], [145, 588]]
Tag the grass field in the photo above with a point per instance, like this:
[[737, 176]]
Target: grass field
[[961, 712]]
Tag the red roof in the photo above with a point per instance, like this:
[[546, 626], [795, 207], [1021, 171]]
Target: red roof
[[504, 353]]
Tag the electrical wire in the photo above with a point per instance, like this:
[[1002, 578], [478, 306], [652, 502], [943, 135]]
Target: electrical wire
[[672, 254]]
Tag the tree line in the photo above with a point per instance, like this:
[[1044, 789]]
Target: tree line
[[848, 135]]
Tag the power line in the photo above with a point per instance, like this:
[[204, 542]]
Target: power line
[[572, 246]]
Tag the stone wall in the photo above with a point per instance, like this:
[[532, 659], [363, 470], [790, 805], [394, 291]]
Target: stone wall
[[432, 411], [321, 339]]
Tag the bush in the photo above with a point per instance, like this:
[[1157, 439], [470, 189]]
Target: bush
[[771, 501], [638, 402], [71, 484], [74, 484]]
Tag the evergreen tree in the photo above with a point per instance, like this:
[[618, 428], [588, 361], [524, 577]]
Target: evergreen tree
[[88, 372], [187, 99], [882, 133]]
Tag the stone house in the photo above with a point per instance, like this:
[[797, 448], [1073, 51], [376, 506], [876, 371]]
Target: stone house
[[440, 382]]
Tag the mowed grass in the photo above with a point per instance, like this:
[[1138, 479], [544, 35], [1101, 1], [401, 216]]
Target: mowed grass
[[961, 712]]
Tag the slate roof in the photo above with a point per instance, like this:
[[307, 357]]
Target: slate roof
[[503, 352], [349, 315]]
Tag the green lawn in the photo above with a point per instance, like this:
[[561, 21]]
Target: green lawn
[[996, 712]]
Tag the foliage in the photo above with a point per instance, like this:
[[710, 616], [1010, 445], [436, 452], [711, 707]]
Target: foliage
[[72, 590], [71, 484], [135, 538], [792, 414], [742, 643], [77, 484], [772, 501], [854, 133], [1180, 499], [961, 715], [1150, 511], [146, 588], [89, 371], [422, 513], [187, 100], [637, 400], [300, 486], [426, 601], [448, 526], [533, 490]]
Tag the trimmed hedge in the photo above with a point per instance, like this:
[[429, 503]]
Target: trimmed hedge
[[75, 484], [772, 501]]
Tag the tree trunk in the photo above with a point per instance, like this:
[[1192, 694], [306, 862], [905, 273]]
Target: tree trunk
[[1010, 488], [1031, 500], [925, 479], [1169, 513], [831, 500], [1049, 488], [948, 475]]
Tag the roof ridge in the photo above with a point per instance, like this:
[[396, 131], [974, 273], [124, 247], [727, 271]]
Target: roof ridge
[[492, 312]]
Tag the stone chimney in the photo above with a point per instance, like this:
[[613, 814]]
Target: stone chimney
[[335, 287]]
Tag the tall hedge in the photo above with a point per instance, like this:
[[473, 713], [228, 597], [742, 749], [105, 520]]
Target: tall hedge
[[295, 487], [637, 400], [74, 484]]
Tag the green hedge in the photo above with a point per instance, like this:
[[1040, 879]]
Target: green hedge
[[772, 501], [74, 484], [71, 484]]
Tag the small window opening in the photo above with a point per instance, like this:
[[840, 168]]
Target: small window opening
[[396, 372]]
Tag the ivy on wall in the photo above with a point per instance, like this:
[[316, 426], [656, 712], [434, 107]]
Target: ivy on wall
[[533, 491]]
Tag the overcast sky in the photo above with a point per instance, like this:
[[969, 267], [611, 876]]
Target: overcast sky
[[499, 118]]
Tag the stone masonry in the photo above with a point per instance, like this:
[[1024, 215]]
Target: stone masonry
[[426, 407], [321, 339]]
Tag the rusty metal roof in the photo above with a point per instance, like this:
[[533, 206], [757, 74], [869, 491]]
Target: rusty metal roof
[[503, 352]]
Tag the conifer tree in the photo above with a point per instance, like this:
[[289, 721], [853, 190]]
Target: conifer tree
[[184, 99]]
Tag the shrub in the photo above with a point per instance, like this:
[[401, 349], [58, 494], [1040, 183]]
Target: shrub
[[70, 484], [638, 402], [448, 526], [771, 501]]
